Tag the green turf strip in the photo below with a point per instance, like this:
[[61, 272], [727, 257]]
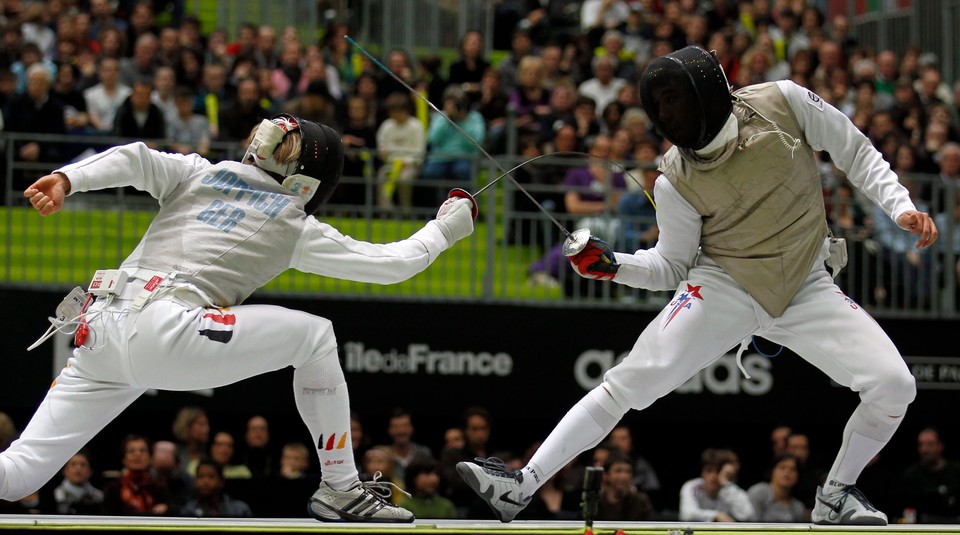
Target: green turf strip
[[66, 248]]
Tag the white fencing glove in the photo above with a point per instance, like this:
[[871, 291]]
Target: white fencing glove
[[455, 219]]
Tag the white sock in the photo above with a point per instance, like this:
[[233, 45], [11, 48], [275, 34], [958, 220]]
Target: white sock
[[865, 434], [320, 391], [583, 427]]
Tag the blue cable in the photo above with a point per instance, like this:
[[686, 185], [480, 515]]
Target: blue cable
[[755, 346]]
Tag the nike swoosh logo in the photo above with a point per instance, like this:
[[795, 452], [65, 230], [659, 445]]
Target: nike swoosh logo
[[833, 507], [505, 497]]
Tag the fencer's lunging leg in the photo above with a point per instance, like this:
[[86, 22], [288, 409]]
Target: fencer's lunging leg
[[583, 427], [75, 409], [320, 391], [866, 433]]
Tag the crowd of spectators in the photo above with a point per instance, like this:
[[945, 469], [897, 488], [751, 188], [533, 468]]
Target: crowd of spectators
[[243, 472], [103, 67]]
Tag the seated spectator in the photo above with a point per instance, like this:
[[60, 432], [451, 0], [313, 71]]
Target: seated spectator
[[316, 69], [610, 119], [136, 492], [287, 74], [468, 70], [164, 84], [315, 104], [294, 461], [401, 142], [138, 117], [931, 486], [530, 98], [76, 496], [360, 144], [210, 500], [65, 88], [520, 47], [191, 427], [644, 476], [245, 110], [619, 498], [604, 86], [144, 62], [214, 93], [714, 497], [104, 99], [189, 67], [221, 451], [30, 55], [563, 97], [400, 64], [773, 500], [403, 449], [257, 455], [422, 480], [585, 119], [449, 153], [492, 105], [142, 22], [453, 438], [35, 112], [169, 473], [187, 131]]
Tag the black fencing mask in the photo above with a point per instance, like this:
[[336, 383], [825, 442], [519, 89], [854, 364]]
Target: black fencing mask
[[687, 97]]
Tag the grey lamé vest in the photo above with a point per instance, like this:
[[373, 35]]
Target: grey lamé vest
[[761, 201], [228, 230]]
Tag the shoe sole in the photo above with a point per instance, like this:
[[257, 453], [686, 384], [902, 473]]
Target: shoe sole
[[347, 517], [865, 522], [474, 483]]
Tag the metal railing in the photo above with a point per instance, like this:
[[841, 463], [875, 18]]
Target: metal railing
[[511, 258], [423, 25], [929, 24]]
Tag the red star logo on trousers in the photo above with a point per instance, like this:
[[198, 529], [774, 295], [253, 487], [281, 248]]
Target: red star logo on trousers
[[683, 301]]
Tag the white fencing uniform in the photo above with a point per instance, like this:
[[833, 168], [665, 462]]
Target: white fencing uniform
[[712, 313], [222, 232]]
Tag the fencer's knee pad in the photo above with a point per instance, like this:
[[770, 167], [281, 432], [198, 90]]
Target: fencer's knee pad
[[610, 400], [893, 394]]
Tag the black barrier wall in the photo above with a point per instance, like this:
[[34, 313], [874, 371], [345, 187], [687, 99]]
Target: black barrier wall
[[527, 366]]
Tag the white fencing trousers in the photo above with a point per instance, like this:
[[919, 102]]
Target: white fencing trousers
[[710, 314], [171, 346]]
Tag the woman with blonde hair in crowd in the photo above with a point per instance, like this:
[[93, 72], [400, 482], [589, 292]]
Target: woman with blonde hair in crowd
[[191, 427]]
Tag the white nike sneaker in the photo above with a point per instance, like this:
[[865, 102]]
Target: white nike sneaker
[[847, 506], [364, 502], [499, 487]]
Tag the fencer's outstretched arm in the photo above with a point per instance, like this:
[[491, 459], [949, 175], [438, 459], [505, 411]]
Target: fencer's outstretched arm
[[323, 250], [665, 265], [827, 128], [135, 164]]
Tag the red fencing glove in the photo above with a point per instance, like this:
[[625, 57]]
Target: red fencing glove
[[595, 261]]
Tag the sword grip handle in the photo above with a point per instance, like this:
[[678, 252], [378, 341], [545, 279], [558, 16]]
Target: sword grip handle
[[463, 194]]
